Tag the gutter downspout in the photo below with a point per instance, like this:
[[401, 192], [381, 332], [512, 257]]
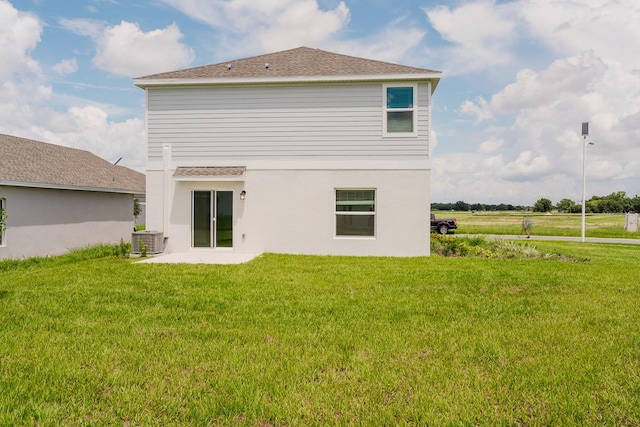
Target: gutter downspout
[[166, 184], [430, 162]]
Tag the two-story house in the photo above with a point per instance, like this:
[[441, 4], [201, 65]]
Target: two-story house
[[302, 151]]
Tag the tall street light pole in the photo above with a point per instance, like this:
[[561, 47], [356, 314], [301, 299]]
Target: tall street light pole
[[585, 133]]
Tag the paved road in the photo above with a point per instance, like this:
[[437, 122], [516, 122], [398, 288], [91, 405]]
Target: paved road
[[556, 238]]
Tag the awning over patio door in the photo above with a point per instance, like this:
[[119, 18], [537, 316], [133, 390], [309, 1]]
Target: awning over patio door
[[210, 173]]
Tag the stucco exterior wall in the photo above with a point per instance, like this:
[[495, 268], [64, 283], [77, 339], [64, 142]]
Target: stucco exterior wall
[[293, 211], [45, 222]]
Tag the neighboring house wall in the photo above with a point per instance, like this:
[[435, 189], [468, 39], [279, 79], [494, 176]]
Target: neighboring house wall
[[45, 222]]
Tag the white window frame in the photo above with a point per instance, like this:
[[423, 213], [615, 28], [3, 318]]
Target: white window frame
[[355, 213], [413, 109]]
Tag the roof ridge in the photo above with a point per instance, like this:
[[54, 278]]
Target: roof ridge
[[302, 61], [231, 61]]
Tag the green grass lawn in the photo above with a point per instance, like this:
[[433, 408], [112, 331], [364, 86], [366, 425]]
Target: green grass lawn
[[551, 224], [302, 340]]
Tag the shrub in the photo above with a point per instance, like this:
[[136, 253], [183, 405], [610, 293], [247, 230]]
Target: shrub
[[450, 246], [123, 249], [446, 245], [143, 248]]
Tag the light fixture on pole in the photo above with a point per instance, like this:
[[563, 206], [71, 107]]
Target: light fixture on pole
[[585, 133]]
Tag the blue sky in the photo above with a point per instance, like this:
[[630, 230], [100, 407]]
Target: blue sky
[[519, 77]]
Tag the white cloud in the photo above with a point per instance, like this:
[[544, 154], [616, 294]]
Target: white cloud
[[21, 78], [252, 27], [89, 128], [484, 34], [19, 34], [474, 180], [396, 42], [126, 50], [585, 69], [83, 27], [525, 165], [301, 22], [609, 28], [565, 62], [247, 27], [85, 127], [491, 145], [565, 83], [479, 108], [66, 66], [572, 76], [481, 33], [26, 102]]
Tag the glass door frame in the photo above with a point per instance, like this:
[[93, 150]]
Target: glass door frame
[[219, 215]]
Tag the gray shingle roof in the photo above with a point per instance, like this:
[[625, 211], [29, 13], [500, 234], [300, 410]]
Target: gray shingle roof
[[299, 62], [209, 171], [32, 163]]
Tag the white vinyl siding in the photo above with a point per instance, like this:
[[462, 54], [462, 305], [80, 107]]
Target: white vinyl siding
[[285, 122]]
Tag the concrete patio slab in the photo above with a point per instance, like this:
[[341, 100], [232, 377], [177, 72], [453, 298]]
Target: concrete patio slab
[[199, 257]]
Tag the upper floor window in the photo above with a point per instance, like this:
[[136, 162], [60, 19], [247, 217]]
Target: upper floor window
[[400, 110]]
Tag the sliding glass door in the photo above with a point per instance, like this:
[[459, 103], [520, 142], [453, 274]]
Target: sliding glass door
[[212, 219]]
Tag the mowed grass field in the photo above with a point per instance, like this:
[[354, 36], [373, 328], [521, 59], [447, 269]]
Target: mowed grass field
[[544, 224], [304, 340]]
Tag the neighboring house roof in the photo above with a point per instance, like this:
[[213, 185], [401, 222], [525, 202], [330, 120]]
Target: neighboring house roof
[[300, 64], [28, 163]]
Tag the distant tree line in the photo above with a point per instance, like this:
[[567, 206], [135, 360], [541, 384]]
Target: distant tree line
[[617, 202], [463, 206]]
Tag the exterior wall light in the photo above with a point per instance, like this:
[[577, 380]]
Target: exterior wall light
[[243, 195]]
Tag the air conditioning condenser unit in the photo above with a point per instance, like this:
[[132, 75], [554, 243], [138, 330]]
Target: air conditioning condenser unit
[[152, 241]]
